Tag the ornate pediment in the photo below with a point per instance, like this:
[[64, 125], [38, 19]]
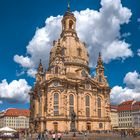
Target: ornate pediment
[[54, 82], [89, 84]]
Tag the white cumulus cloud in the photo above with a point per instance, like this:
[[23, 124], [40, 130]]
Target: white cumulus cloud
[[31, 72], [138, 52], [124, 35], [112, 51], [15, 92], [100, 30], [23, 61], [138, 20], [132, 80], [130, 92]]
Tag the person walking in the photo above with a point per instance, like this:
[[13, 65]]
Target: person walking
[[46, 135], [53, 136], [74, 136], [39, 136], [85, 136], [59, 136], [124, 133], [43, 136]]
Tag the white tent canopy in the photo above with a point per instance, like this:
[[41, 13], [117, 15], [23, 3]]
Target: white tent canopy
[[7, 129]]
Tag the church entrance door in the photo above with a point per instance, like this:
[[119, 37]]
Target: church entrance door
[[55, 126], [89, 126]]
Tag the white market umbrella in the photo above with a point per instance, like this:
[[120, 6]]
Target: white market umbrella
[[7, 129]]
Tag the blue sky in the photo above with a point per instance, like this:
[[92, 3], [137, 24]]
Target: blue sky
[[22, 20]]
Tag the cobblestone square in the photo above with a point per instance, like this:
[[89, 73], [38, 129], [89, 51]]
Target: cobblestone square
[[95, 137], [101, 137]]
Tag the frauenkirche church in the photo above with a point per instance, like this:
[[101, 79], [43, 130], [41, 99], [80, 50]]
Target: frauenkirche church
[[66, 97]]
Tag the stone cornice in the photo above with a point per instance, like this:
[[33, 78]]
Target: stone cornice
[[76, 64], [69, 119], [72, 33]]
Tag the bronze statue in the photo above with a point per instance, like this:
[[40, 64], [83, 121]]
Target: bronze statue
[[73, 116]]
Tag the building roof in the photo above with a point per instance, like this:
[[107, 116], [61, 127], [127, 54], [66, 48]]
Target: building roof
[[126, 106], [136, 106], [129, 106], [129, 102], [113, 108], [13, 112]]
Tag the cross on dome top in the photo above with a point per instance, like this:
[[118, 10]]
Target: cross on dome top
[[69, 5]]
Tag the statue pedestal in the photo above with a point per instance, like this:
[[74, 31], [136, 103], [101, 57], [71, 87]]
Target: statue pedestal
[[72, 126], [73, 118]]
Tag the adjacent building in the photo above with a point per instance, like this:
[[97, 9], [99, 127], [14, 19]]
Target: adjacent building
[[125, 114], [136, 115], [114, 116], [65, 97], [1, 120], [15, 118]]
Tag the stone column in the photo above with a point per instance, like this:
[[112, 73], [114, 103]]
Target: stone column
[[42, 108], [78, 109], [36, 107], [42, 103]]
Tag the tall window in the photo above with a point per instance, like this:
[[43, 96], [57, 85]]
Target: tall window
[[71, 24], [64, 25], [87, 106], [56, 104], [63, 51], [99, 113], [71, 103], [39, 106], [79, 51], [100, 79], [99, 107], [100, 125], [56, 70], [99, 102]]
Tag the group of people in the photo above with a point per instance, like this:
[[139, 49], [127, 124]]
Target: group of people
[[45, 136], [125, 133], [85, 136], [57, 136]]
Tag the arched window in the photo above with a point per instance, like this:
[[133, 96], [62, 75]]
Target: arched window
[[56, 104], [39, 106], [83, 73], [100, 79], [71, 103], [70, 24], [79, 51], [87, 100], [99, 102], [100, 125], [99, 113], [87, 103], [100, 71], [64, 25], [63, 51], [99, 107], [56, 70]]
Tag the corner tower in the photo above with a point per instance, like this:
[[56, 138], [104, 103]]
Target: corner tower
[[100, 76]]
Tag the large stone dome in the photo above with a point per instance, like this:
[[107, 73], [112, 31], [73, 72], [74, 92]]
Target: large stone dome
[[72, 50]]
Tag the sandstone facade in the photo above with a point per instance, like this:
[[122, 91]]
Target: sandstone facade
[[66, 97]]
